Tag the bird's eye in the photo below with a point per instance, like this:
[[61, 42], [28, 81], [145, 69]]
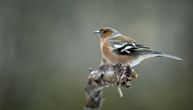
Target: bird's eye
[[104, 31]]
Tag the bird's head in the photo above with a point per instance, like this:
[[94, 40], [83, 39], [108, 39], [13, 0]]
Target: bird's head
[[106, 32]]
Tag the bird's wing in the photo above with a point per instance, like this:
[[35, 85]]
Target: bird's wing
[[124, 45]]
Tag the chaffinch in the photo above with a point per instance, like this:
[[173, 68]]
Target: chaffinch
[[118, 48]]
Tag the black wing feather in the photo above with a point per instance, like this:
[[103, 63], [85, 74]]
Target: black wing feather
[[135, 49]]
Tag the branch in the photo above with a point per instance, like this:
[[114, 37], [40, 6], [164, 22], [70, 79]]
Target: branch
[[107, 75]]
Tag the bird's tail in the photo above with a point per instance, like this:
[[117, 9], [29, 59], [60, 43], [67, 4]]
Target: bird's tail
[[148, 53], [160, 54], [170, 56]]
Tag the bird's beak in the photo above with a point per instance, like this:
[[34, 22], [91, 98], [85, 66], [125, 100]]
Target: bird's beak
[[97, 32]]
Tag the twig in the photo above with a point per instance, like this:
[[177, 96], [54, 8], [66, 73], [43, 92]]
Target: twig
[[107, 75]]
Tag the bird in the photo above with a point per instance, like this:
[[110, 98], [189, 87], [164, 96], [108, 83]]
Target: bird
[[117, 48]]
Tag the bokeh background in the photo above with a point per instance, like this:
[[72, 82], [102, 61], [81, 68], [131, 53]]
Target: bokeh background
[[47, 47]]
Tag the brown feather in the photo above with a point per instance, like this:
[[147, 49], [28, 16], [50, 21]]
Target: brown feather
[[111, 57]]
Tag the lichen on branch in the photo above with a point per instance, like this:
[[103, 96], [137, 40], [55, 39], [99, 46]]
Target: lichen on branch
[[106, 75]]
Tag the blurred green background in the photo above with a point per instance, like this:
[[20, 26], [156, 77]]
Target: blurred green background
[[47, 47]]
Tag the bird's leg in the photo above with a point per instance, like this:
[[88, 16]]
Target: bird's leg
[[103, 61]]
